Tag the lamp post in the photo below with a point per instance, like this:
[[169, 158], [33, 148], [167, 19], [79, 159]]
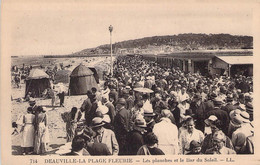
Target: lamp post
[[110, 30]]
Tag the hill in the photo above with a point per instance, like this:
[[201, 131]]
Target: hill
[[173, 43]]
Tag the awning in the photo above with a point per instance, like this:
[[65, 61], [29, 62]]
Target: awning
[[236, 60]]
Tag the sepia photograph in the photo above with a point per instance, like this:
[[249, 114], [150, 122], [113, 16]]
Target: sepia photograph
[[131, 79]]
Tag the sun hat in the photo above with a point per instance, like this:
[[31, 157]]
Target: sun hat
[[148, 111], [234, 113], [211, 119], [106, 119], [245, 117], [242, 107], [97, 122], [249, 107], [140, 122]]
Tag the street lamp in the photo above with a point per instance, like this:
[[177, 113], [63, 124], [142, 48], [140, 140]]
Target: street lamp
[[110, 30]]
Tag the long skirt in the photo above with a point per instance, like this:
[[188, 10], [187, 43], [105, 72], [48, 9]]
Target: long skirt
[[71, 131], [39, 143], [28, 136]]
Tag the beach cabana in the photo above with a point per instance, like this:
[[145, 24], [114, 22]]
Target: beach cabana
[[37, 82], [81, 80], [62, 76]]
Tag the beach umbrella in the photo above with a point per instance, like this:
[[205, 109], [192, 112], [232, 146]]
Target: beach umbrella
[[143, 90]]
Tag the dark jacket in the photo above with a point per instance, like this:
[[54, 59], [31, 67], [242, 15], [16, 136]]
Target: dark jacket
[[122, 120], [199, 112], [135, 142], [229, 107], [86, 107], [150, 126], [111, 111], [209, 105], [222, 116], [98, 149], [72, 153], [176, 114]]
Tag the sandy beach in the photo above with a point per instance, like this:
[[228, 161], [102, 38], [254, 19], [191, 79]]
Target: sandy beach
[[57, 130]]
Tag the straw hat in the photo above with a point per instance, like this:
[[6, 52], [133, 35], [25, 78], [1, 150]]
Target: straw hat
[[97, 122], [106, 119], [140, 122], [148, 112], [249, 107], [245, 117], [234, 113], [242, 107], [211, 119]]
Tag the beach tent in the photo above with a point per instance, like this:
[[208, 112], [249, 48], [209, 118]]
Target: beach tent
[[95, 74], [102, 68], [81, 80], [99, 69], [37, 82], [62, 76]]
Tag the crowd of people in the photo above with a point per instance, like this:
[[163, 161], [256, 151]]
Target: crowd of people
[[149, 109]]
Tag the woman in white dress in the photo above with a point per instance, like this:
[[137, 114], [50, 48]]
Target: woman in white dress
[[28, 131]]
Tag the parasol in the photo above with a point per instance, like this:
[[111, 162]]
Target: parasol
[[143, 90]]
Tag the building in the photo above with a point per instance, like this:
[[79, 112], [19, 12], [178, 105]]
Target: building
[[231, 65], [208, 62]]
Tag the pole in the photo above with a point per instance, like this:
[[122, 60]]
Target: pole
[[111, 29], [111, 53]]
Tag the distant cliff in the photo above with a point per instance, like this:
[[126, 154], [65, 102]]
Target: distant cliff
[[181, 42]]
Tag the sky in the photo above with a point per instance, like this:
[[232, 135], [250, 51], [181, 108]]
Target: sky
[[42, 28]]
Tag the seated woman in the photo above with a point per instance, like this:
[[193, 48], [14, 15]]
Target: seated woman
[[150, 147]]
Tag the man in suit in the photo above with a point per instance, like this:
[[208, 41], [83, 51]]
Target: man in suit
[[77, 146], [229, 106], [105, 136], [122, 125], [86, 106], [199, 109], [92, 146], [220, 114], [111, 109]]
